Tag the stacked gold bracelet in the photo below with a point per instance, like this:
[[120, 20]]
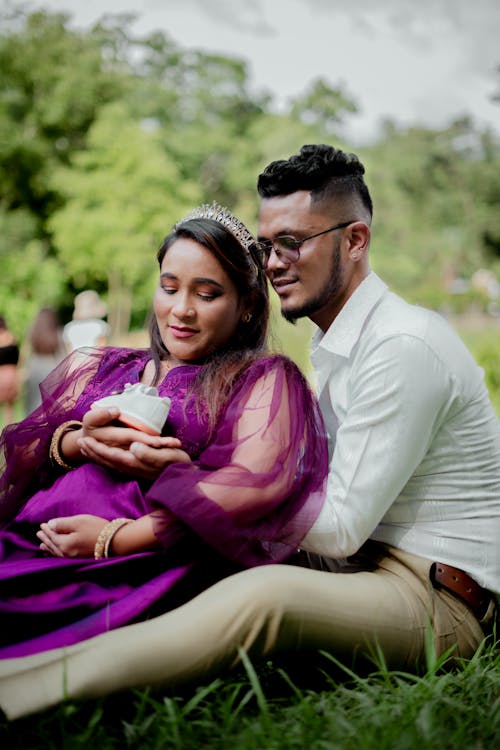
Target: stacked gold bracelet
[[55, 443], [103, 542]]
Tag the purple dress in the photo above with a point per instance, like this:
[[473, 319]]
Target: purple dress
[[252, 491]]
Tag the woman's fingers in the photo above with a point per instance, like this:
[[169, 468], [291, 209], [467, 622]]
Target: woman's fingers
[[139, 458], [47, 545], [152, 461], [63, 525], [98, 417], [158, 457], [100, 424], [119, 459], [51, 534]]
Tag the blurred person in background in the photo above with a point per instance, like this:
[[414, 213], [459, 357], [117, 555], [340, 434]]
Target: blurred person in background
[[9, 376], [87, 327], [45, 351]]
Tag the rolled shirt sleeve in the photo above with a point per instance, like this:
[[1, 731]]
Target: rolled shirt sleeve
[[394, 396]]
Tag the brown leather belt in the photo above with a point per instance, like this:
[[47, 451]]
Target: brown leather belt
[[463, 586]]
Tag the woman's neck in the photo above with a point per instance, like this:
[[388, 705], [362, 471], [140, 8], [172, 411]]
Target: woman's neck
[[148, 375]]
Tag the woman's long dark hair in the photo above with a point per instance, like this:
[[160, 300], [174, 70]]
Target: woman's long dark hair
[[223, 367]]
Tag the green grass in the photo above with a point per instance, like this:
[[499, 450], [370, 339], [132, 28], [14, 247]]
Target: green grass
[[269, 709]]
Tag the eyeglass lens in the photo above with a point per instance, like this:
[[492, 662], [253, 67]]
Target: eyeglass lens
[[286, 248]]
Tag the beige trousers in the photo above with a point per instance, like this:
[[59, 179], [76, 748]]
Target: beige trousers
[[264, 610]]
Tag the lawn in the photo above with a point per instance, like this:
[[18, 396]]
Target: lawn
[[267, 709]]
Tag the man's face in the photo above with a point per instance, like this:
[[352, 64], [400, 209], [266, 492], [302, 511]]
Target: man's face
[[317, 284]]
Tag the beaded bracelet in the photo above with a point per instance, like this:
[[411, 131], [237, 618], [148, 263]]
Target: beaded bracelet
[[55, 443], [107, 533]]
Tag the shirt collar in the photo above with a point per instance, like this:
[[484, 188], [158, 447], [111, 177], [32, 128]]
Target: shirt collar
[[345, 330]]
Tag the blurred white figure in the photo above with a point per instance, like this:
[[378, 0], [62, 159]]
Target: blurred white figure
[[87, 327]]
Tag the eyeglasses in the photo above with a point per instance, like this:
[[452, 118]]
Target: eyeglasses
[[287, 248]]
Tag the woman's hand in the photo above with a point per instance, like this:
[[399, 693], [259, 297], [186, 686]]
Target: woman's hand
[[101, 424], [71, 536], [76, 536], [145, 459], [123, 448]]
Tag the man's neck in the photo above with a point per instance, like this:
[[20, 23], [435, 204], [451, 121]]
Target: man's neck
[[324, 318]]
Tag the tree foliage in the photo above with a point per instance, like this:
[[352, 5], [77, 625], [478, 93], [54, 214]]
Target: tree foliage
[[436, 214], [52, 83], [106, 138], [122, 195], [323, 106]]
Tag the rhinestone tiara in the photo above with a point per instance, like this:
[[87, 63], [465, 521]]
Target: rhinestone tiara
[[221, 215]]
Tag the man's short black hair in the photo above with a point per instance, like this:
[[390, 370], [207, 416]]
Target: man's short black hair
[[325, 171]]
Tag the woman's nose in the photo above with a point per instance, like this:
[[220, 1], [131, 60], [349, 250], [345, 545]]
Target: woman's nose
[[183, 307]]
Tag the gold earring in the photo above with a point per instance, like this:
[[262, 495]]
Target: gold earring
[[246, 317]]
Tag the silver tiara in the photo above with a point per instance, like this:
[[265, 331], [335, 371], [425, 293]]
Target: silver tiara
[[221, 215]]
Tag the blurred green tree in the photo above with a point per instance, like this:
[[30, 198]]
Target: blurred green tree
[[323, 106], [107, 137], [436, 207], [52, 83], [122, 195]]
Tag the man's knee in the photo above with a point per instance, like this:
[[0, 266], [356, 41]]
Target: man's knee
[[257, 603], [267, 587]]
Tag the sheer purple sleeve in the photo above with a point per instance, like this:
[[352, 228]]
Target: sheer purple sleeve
[[259, 486], [24, 447]]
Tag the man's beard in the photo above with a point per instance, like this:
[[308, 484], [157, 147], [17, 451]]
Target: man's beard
[[324, 296]]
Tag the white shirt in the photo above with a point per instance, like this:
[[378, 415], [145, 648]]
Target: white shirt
[[415, 442]]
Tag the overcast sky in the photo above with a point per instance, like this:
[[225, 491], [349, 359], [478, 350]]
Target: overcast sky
[[425, 62]]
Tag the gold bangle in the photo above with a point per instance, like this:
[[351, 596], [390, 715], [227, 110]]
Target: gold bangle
[[55, 443], [107, 545], [106, 534]]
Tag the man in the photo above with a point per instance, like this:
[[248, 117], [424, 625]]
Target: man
[[413, 499], [414, 438]]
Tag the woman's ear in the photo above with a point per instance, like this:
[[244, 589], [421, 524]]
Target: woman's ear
[[247, 307]]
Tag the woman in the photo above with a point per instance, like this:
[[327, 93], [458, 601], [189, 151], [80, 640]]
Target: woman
[[107, 525], [9, 379], [46, 350]]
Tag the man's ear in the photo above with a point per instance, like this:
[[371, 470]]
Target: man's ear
[[358, 238]]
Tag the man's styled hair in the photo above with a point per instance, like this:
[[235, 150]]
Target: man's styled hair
[[325, 171]]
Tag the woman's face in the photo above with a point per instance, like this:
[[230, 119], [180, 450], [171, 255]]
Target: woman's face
[[196, 304]]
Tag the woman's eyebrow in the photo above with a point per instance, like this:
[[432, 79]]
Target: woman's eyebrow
[[196, 280], [206, 280]]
